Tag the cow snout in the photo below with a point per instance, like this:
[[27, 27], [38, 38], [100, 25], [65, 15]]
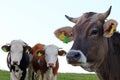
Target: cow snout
[[15, 62], [51, 65], [75, 57]]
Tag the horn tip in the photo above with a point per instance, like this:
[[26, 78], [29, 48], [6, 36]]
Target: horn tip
[[110, 7], [67, 17], [109, 10]]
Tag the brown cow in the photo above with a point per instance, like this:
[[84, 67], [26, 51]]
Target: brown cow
[[96, 44], [45, 61]]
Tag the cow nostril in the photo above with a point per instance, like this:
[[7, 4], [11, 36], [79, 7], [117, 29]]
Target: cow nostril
[[77, 55], [51, 64], [15, 62], [73, 56]]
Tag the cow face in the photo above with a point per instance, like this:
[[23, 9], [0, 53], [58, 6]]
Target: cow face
[[90, 34], [51, 55], [16, 49]]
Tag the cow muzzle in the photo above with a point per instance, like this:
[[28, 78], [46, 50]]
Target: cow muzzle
[[15, 62], [51, 65], [76, 57]]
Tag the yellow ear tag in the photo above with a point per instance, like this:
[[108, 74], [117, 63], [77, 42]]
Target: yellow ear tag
[[39, 54], [4, 49], [64, 38], [27, 51], [112, 30]]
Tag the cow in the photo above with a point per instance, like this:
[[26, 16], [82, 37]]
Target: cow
[[96, 46], [45, 61], [17, 58]]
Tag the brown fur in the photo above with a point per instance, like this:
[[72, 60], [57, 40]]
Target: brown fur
[[110, 68]]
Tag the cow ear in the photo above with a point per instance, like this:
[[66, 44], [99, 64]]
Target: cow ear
[[64, 34], [62, 53], [109, 28], [27, 49], [5, 48]]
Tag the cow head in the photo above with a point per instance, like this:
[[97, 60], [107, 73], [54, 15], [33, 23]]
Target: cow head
[[16, 49], [51, 55], [46, 54], [90, 34]]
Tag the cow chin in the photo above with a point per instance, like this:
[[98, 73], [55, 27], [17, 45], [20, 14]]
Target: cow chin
[[87, 67], [75, 64]]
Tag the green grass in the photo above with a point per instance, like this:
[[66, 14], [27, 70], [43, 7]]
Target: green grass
[[76, 76], [4, 75]]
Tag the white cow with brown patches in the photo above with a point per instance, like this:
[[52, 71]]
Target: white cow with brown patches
[[45, 61]]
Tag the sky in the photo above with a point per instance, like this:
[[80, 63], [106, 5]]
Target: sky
[[34, 21]]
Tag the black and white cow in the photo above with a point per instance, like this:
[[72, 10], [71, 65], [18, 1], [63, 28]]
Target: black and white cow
[[17, 58]]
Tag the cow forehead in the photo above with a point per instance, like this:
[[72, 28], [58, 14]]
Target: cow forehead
[[17, 42], [16, 48], [91, 16], [88, 19], [17, 45], [51, 49]]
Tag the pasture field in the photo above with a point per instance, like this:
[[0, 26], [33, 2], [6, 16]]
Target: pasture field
[[4, 75]]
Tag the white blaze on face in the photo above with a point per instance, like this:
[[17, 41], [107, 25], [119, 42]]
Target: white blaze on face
[[51, 53], [16, 51]]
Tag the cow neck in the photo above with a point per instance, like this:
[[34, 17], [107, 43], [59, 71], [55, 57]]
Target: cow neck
[[110, 68], [24, 61]]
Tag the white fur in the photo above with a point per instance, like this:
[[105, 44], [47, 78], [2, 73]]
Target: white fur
[[16, 75], [51, 54], [49, 75], [12, 76]]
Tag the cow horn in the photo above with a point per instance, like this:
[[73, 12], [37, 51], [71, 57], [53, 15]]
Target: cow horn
[[106, 14], [74, 20]]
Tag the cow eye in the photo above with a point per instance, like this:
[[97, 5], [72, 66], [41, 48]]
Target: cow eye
[[94, 32]]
